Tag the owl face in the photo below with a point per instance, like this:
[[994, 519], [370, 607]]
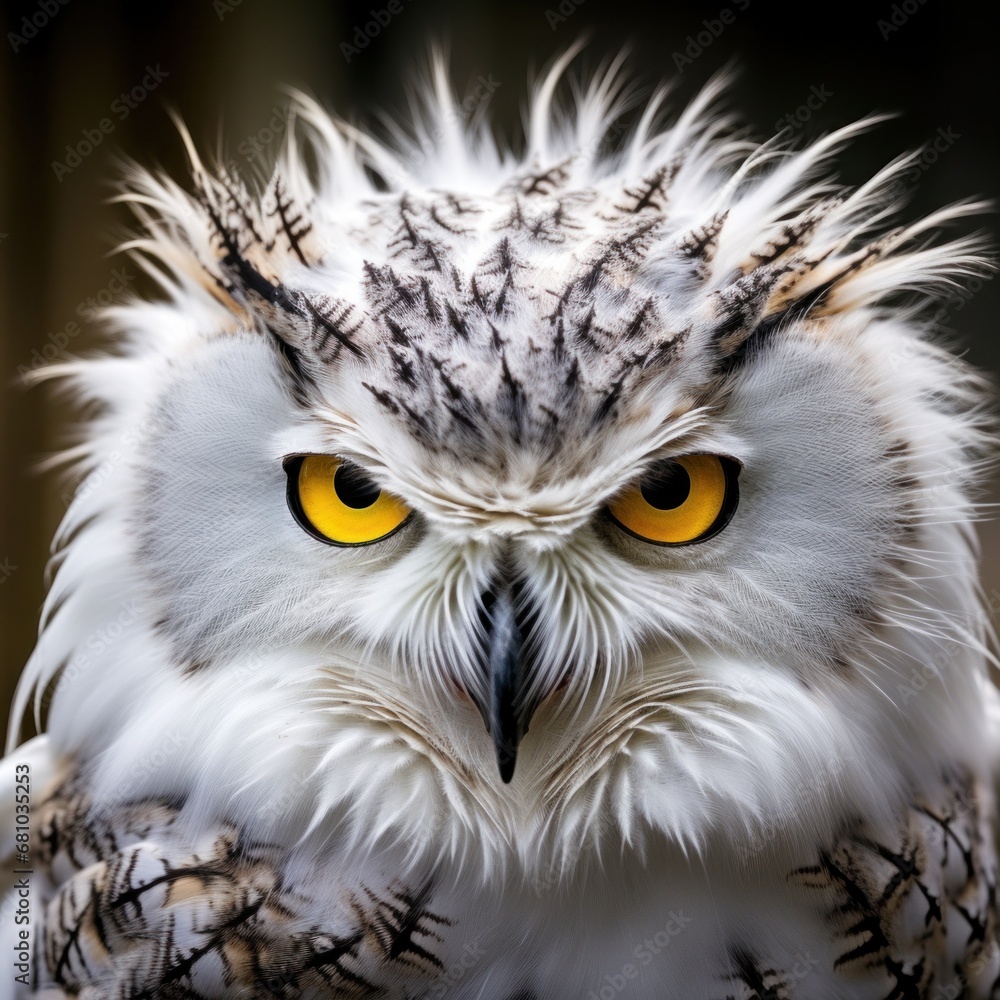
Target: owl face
[[563, 484], [461, 496]]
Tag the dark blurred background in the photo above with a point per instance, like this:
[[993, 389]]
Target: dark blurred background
[[69, 65]]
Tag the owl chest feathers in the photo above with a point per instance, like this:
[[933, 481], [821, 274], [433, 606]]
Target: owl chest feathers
[[137, 902]]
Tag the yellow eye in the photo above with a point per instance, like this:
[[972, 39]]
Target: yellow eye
[[679, 501], [337, 502]]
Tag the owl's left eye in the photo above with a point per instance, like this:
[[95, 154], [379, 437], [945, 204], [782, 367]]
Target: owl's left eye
[[679, 501], [338, 503]]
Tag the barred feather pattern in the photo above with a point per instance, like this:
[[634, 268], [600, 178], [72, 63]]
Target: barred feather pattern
[[141, 912], [771, 749]]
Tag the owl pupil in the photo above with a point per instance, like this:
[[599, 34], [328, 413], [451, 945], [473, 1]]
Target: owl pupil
[[666, 488], [354, 488]]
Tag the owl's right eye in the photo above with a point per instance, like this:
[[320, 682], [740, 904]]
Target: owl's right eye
[[338, 503], [679, 501]]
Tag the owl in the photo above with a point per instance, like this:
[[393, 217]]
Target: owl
[[540, 575]]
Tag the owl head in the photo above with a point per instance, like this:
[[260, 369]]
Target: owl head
[[591, 494]]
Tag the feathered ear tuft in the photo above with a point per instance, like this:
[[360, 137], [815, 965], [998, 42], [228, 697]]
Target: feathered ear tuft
[[237, 244], [782, 248], [801, 276]]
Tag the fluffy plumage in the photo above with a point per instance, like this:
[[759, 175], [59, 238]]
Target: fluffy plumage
[[730, 739]]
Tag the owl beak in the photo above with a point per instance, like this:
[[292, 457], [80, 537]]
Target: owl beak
[[506, 715]]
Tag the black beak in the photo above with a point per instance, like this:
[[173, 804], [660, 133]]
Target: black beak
[[507, 713]]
